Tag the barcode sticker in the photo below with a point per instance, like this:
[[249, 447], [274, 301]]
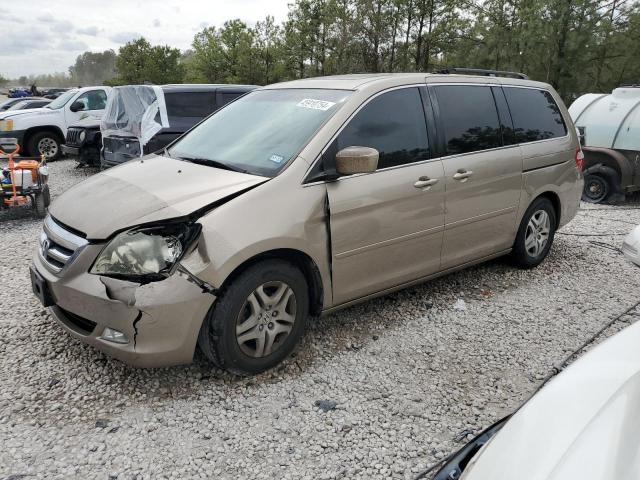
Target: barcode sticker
[[315, 104]]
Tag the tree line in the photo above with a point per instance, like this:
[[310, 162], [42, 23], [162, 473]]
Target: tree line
[[576, 45]]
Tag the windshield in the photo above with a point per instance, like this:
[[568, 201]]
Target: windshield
[[260, 132], [62, 100]]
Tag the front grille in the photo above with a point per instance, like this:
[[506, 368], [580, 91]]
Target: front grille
[[73, 136], [75, 322], [58, 245]]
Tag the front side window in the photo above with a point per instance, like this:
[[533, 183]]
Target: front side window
[[536, 115], [93, 100], [469, 118], [260, 132], [392, 123]]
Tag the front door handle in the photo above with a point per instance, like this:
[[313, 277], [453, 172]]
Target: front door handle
[[425, 182], [462, 175]]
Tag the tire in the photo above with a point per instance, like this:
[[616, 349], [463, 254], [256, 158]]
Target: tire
[[46, 142], [42, 201], [250, 300], [597, 188], [532, 244]]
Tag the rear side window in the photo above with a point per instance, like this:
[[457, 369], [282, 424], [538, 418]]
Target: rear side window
[[392, 123], [535, 114], [468, 117], [190, 104]]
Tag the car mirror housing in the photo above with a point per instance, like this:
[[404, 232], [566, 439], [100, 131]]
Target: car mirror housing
[[76, 106], [355, 159]]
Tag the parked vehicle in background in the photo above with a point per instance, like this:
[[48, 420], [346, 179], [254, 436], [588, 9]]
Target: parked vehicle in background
[[583, 424], [7, 104], [31, 102], [42, 131], [19, 93], [609, 126], [53, 93], [84, 141], [301, 198], [141, 119]]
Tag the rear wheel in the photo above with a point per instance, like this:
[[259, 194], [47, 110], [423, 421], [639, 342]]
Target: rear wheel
[[44, 143], [535, 234], [258, 319], [597, 188]]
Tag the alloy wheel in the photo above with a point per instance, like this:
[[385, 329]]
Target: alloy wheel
[[266, 319], [537, 234]]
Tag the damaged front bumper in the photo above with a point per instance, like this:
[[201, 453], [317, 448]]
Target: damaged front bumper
[[160, 321]]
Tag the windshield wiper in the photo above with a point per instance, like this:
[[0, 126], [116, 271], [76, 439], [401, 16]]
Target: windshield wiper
[[213, 163]]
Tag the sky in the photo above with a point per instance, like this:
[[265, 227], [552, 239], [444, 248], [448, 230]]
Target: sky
[[45, 36]]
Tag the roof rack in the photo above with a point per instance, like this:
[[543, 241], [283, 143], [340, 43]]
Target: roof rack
[[482, 71]]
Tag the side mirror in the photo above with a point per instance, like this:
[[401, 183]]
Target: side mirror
[[76, 106], [352, 160]]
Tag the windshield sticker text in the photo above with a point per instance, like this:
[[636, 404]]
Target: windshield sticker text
[[276, 158], [315, 104]]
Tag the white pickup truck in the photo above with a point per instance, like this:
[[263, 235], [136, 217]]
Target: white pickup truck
[[41, 131]]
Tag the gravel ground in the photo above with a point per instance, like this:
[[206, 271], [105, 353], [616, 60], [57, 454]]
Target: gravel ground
[[406, 378]]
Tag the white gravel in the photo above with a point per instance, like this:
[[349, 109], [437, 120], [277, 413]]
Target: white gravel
[[411, 374]]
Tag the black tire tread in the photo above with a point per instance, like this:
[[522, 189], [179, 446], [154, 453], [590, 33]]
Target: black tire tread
[[519, 256], [210, 337]]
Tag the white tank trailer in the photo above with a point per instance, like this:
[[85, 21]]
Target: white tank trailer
[[609, 126]]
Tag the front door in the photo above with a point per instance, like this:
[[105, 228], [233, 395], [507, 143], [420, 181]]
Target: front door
[[483, 177], [387, 226], [92, 102]]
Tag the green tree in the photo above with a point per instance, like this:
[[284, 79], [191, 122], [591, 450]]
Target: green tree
[[139, 62]]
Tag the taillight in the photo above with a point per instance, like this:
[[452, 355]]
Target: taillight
[[579, 159]]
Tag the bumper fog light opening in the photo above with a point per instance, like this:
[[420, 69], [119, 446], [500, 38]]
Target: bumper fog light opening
[[114, 336]]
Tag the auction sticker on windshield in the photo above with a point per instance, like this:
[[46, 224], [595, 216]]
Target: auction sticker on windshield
[[316, 104]]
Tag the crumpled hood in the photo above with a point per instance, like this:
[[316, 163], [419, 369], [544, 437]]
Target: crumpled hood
[[144, 190], [583, 425]]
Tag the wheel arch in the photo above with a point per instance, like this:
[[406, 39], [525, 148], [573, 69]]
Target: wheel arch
[[595, 157], [30, 132], [301, 260], [555, 201]]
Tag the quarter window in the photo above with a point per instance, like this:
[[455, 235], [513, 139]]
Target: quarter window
[[536, 115], [468, 117], [392, 123]]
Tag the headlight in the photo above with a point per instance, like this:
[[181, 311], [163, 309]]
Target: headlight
[[145, 254], [6, 125], [82, 136]]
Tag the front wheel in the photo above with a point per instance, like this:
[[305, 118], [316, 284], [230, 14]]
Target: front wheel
[[535, 235], [44, 143], [258, 319], [41, 201]]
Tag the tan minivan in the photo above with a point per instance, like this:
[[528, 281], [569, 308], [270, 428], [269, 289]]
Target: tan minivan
[[301, 198]]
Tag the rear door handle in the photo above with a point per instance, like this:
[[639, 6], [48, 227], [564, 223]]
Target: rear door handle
[[462, 175], [425, 182]]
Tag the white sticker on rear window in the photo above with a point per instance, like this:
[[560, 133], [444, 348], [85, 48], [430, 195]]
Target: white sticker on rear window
[[276, 158], [316, 104]]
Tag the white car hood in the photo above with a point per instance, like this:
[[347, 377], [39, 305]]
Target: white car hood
[[32, 112], [584, 424]]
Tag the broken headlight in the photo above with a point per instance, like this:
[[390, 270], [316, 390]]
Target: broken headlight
[[145, 254]]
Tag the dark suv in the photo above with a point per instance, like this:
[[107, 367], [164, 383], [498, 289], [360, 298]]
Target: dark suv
[[141, 119]]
